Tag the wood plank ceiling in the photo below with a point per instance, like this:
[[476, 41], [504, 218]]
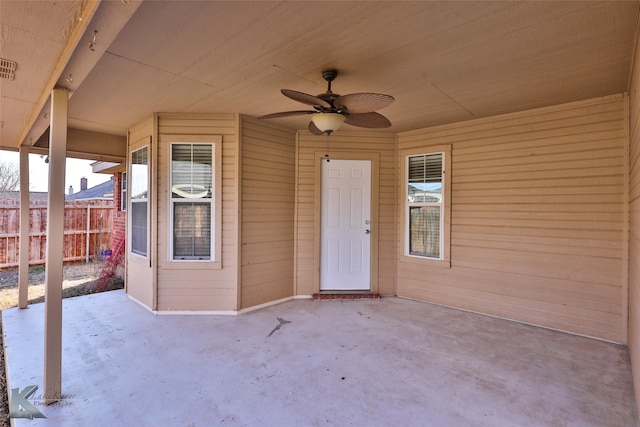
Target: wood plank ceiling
[[442, 61]]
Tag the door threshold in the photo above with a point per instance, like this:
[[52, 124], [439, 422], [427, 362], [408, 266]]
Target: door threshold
[[344, 295]]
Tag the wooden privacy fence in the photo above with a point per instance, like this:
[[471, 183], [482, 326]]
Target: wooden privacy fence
[[88, 227]]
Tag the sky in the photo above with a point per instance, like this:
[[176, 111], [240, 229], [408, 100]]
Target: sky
[[39, 171]]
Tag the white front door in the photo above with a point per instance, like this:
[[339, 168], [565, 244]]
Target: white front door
[[345, 248]]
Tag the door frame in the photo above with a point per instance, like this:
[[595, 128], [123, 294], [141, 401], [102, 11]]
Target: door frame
[[374, 158]]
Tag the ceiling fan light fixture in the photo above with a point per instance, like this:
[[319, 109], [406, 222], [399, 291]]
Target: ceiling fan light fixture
[[328, 122]]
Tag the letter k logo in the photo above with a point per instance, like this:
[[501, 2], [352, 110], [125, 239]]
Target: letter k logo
[[19, 400]]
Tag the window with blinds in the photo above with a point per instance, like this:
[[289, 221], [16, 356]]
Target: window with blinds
[[139, 178], [123, 192], [192, 198], [425, 205]]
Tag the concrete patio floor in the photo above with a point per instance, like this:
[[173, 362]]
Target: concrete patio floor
[[387, 362]]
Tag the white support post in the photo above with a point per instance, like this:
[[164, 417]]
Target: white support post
[[55, 247], [23, 269]]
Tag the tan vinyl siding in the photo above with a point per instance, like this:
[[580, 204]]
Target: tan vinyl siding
[[139, 272], [634, 224], [537, 218], [268, 193], [353, 144], [195, 285]]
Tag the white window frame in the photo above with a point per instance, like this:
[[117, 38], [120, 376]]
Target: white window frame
[[444, 259], [214, 261], [134, 200]]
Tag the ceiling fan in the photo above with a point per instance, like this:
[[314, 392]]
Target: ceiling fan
[[331, 110]]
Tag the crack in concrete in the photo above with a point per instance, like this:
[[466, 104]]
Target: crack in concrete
[[281, 322]]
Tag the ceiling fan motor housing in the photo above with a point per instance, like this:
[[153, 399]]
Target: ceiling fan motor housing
[[330, 74]]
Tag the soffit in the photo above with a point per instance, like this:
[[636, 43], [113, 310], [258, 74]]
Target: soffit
[[442, 61], [33, 34]]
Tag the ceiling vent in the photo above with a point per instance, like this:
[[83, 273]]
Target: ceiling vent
[[7, 69]]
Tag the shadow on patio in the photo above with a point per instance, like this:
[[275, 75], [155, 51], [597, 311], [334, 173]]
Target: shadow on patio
[[388, 362]]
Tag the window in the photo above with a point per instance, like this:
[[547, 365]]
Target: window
[[192, 201], [139, 177], [123, 192], [425, 205]]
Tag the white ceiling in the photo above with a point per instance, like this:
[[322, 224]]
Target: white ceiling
[[442, 61]]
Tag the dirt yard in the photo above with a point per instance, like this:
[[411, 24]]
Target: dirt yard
[[78, 279]]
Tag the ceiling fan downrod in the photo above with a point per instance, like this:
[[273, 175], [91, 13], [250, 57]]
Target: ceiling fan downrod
[[329, 75]]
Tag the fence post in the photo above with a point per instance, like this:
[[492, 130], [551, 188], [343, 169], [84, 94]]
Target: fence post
[[88, 232], [99, 248]]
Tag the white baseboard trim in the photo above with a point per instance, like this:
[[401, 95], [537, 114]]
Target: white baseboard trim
[[516, 321], [217, 312], [265, 305], [184, 312], [196, 312], [140, 303]]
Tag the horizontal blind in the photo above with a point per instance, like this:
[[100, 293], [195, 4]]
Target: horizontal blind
[[123, 192], [140, 157], [191, 171], [139, 174], [425, 168]]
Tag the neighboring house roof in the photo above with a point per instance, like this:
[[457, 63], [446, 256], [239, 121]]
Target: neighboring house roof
[[101, 191], [15, 196]]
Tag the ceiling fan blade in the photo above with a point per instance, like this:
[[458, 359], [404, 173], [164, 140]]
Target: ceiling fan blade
[[368, 120], [357, 103], [314, 129], [305, 98], [286, 114]]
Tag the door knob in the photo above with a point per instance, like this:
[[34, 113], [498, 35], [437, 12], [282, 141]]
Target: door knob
[[367, 231]]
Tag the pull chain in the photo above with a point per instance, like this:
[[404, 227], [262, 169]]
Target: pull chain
[[326, 148]]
